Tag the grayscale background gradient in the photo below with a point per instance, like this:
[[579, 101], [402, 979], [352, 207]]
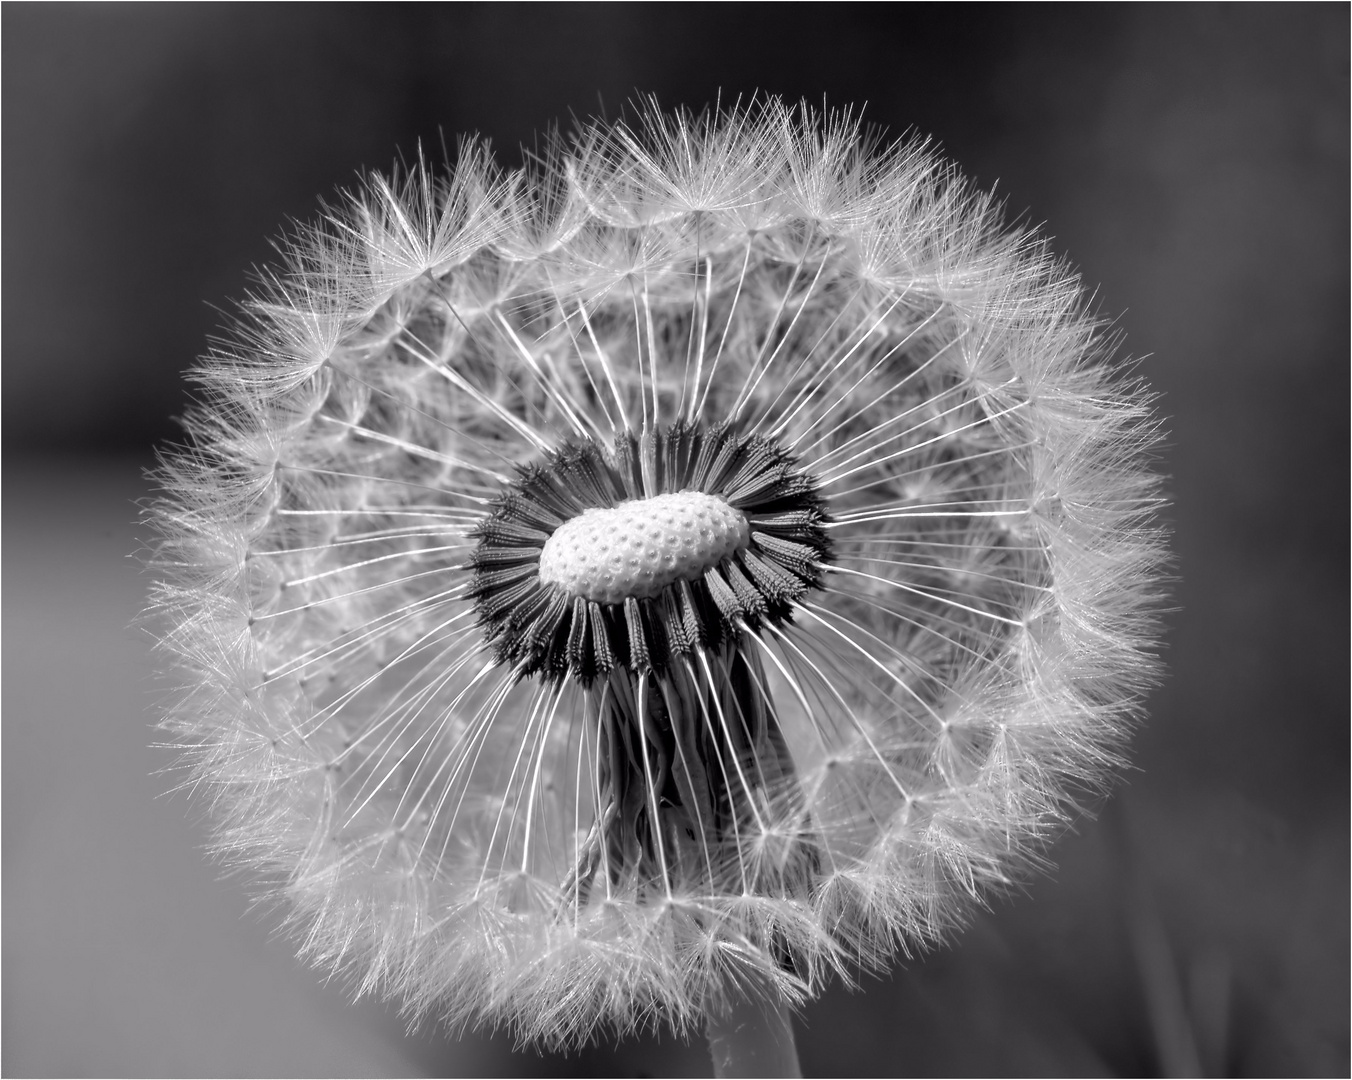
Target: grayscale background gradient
[[1192, 161]]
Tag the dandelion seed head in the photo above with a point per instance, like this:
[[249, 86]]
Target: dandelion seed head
[[716, 556]]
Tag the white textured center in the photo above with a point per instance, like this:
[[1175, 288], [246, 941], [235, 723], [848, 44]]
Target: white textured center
[[640, 547]]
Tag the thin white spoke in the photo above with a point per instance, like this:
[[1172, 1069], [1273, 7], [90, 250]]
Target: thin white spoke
[[447, 372], [916, 447], [937, 466], [946, 568], [552, 388], [480, 725], [604, 358], [334, 708], [360, 639], [578, 351], [448, 513], [346, 567], [638, 357], [759, 369], [411, 711], [912, 508], [534, 786], [439, 421], [509, 785], [703, 695], [666, 689], [652, 351], [922, 541], [894, 388], [649, 786], [727, 326], [727, 734], [702, 339], [314, 470], [891, 583], [863, 516], [810, 385], [375, 536], [391, 583], [901, 613], [457, 757], [854, 720], [817, 611], [919, 408]]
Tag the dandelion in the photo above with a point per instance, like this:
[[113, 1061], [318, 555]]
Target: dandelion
[[667, 577]]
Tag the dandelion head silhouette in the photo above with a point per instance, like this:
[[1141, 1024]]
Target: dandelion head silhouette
[[711, 557]]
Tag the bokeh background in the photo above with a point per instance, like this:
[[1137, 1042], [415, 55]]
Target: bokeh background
[[1192, 161]]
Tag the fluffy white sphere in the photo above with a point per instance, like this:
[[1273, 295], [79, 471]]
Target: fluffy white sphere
[[502, 798]]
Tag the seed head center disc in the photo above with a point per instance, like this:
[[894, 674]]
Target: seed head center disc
[[675, 541], [638, 548]]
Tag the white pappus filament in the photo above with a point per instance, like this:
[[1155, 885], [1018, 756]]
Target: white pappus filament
[[714, 555]]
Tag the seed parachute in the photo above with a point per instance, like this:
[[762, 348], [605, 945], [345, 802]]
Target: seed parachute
[[712, 557]]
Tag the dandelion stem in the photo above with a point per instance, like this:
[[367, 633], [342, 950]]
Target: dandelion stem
[[753, 1037]]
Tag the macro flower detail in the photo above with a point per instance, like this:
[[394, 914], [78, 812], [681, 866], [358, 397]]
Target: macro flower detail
[[708, 559]]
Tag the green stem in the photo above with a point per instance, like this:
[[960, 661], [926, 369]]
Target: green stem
[[753, 1037]]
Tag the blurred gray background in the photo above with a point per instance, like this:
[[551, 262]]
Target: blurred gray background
[[1192, 161]]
